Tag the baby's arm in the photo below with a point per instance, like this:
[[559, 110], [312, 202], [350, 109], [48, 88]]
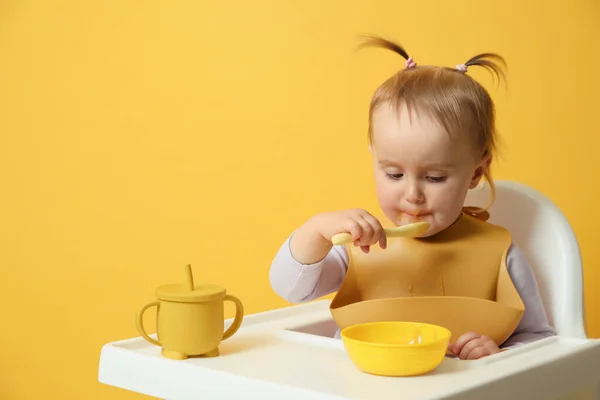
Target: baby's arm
[[297, 282], [309, 266], [534, 325]]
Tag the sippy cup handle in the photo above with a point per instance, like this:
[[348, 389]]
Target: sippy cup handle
[[237, 320], [139, 322]]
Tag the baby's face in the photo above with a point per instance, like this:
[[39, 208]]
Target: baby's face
[[421, 173]]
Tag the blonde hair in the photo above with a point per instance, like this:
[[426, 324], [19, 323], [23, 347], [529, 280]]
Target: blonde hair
[[454, 99]]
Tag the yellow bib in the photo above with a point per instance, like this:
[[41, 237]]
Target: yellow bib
[[456, 278]]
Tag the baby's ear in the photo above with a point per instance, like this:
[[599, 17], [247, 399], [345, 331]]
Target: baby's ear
[[370, 148], [479, 172]]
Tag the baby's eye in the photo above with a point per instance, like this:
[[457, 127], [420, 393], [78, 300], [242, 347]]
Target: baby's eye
[[436, 179], [394, 176]]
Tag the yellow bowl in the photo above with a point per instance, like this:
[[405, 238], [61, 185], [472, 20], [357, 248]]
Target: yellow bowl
[[396, 348]]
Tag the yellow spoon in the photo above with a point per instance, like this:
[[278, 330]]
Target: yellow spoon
[[410, 230]]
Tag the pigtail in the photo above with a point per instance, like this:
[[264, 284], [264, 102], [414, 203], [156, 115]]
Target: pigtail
[[492, 62], [376, 41]]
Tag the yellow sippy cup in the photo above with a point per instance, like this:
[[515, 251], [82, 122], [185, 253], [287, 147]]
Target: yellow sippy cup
[[190, 319]]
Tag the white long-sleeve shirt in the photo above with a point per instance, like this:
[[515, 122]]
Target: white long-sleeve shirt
[[296, 282]]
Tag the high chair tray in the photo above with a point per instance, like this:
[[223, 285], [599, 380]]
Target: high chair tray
[[286, 354]]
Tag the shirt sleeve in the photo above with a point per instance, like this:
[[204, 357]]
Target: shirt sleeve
[[534, 324], [297, 282]]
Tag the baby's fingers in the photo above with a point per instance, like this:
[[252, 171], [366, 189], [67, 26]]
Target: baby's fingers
[[462, 341], [366, 237], [360, 231], [468, 350], [378, 232], [355, 229]]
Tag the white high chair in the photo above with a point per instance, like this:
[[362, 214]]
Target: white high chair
[[546, 239], [290, 352]]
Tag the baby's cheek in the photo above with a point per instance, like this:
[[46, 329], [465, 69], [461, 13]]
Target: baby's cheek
[[388, 206], [389, 202], [446, 201], [383, 194]]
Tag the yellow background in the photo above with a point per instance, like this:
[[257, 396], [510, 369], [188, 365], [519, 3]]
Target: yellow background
[[137, 136]]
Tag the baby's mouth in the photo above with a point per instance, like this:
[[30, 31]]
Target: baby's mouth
[[411, 218]]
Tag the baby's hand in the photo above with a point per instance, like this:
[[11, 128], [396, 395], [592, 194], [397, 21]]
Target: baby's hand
[[366, 230], [472, 346]]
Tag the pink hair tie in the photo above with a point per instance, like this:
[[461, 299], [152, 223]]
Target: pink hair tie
[[462, 68], [410, 63]]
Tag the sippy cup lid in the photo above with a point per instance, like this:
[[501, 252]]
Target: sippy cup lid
[[182, 293]]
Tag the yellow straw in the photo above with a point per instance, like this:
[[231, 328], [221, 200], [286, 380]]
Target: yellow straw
[[190, 277]]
